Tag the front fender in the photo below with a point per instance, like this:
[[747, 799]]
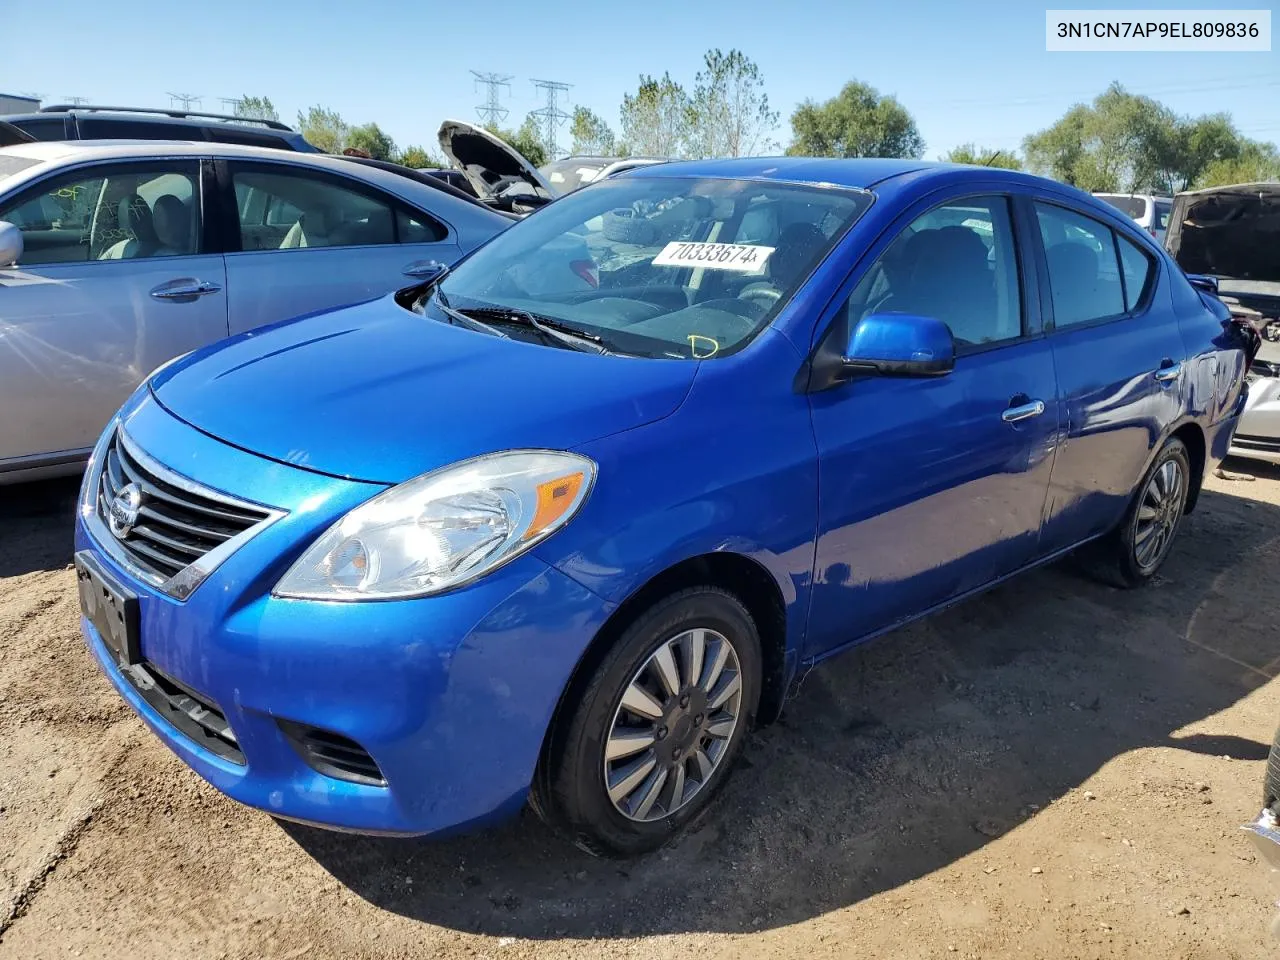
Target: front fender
[[734, 470]]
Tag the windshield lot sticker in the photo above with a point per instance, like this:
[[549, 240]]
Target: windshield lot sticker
[[741, 257]]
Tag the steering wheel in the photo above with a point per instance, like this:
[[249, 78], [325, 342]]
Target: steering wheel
[[762, 291]]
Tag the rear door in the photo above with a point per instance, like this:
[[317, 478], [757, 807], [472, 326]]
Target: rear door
[[302, 240], [1120, 359], [117, 276]]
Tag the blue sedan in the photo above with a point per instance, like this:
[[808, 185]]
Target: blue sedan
[[406, 566]]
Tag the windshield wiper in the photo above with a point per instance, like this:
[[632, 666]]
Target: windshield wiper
[[569, 336], [458, 318]]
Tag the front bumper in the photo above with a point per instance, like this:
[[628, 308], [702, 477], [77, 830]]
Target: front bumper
[[450, 695], [1257, 435]]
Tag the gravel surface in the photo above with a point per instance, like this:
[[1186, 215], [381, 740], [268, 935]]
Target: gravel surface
[[1057, 769]]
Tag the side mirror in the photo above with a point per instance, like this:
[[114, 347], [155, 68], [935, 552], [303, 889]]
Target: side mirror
[[10, 244], [900, 345]]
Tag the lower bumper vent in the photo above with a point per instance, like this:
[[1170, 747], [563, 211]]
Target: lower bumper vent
[[333, 754]]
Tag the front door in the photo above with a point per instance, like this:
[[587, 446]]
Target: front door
[[113, 282], [930, 488], [310, 240]]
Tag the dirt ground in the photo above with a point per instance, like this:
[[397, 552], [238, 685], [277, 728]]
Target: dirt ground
[[1056, 769]]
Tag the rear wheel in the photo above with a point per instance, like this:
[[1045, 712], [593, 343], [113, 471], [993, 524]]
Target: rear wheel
[[1131, 555], [651, 735]]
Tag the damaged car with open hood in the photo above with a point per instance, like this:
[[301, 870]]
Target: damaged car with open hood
[[1230, 237]]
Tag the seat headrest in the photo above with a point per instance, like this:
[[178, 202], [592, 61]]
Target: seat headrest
[[172, 222], [135, 216], [1073, 261]]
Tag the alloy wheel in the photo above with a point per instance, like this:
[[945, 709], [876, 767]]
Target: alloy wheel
[[1158, 514], [673, 725]]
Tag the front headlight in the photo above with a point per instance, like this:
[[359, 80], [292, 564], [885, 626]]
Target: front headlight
[[443, 529]]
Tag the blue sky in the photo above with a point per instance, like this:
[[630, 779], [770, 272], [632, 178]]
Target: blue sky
[[979, 74]]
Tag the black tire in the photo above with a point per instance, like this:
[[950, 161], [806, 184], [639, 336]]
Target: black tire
[[1115, 559], [625, 226], [569, 791]]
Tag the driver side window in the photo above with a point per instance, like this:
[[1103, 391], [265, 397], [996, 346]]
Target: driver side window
[[956, 263]]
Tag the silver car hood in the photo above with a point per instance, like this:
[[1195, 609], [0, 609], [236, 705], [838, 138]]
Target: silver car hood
[[489, 164]]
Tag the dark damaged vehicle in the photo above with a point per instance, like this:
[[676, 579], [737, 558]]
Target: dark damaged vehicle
[[1232, 235]]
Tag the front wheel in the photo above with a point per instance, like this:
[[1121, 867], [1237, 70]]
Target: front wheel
[[1132, 554], [650, 737]]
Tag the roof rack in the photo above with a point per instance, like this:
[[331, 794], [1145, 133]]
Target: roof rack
[[176, 114]]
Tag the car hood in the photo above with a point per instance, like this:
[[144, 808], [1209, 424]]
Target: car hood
[[1228, 232], [489, 164], [375, 392]]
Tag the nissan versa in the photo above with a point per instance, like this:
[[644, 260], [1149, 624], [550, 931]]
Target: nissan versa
[[405, 566]]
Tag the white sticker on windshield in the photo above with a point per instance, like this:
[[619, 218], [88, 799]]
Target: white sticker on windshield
[[742, 257]]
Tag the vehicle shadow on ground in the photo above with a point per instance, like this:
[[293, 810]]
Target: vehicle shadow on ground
[[895, 759], [36, 526]]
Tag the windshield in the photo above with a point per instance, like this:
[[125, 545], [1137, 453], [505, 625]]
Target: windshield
[[674, 267], [11, 165], [565, 176]]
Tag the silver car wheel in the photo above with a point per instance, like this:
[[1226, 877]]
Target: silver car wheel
[[1158, 514], [673, 725]]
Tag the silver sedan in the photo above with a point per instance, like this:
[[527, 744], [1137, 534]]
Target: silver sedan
[[116, 257]]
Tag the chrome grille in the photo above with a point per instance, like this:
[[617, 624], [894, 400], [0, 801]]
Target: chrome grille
[[177, 531]]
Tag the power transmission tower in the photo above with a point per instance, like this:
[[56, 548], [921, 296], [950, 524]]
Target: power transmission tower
[[492, 112], [76, 101], [550, 116], [184, 100], [232, 104]]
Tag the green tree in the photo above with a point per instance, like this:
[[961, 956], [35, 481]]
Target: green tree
[[420, 158], [656, 118], [526, 141], [730, 109], [1255, 163], [1123, 141], [324, 129], [857, 122], [982, 157], [373, 140], [591, 134], [256, 108]]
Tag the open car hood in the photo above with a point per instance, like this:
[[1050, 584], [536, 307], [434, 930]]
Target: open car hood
[[491, 166], [1232, 233]]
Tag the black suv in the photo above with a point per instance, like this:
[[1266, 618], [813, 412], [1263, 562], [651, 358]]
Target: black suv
[[70, 122]]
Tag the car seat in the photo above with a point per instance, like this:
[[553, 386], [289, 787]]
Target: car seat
[[133, 216]]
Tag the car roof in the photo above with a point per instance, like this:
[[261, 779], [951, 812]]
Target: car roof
[[860, 173], [84, 151]]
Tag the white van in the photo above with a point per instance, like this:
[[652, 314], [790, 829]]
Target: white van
[[1151, 212]]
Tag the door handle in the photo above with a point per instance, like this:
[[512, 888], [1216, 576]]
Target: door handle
[[1023, 412], [185, 289], [1168, 371]]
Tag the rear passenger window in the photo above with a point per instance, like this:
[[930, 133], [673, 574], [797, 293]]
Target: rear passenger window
[[1084, 274], [417, 228], [1138, 269], [285, 211]]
